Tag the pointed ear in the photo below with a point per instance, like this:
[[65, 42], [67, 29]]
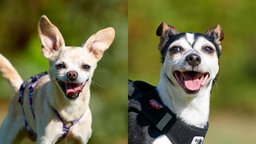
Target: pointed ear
[[50, 36], [164, 31], [216, 33], [164, 28], [100, 41]]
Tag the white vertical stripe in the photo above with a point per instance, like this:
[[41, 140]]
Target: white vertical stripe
[[190, 38]]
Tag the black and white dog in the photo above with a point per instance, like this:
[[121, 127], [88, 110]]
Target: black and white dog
[[190, 67]]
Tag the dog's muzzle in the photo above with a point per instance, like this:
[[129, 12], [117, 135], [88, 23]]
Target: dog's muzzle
[[72, 90], [191, 81]]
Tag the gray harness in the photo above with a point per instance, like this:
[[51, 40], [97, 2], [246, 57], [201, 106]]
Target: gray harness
[[31, 85], [144, 100]]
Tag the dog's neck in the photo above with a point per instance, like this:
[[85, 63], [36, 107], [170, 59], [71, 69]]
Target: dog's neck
[[192, 110], [69, 110]]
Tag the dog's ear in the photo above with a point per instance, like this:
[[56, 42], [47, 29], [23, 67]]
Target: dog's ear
[[216, 33], [100, 41], [164, 31], [164, 28], [51, 38]]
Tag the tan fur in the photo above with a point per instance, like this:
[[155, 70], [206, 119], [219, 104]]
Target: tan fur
[[8, 71], [48, 93]]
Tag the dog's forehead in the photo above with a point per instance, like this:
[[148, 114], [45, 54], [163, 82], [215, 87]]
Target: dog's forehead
[[192, 39], [76, 54], [188, 41]]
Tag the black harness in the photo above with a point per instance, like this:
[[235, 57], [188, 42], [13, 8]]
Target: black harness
[[144, 100]]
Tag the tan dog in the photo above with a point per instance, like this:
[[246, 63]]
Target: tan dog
[[55, 105]]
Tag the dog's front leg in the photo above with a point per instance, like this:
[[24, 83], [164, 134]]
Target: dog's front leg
[[82, 131], [48, 132], [48, 139]]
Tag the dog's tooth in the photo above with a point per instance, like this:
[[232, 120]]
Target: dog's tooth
[[202, 77], [181, 76]]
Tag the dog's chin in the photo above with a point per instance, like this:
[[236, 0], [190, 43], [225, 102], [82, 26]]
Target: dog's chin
[[191, 81], [71, 90]]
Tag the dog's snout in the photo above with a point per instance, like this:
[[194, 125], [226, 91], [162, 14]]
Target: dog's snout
[[193, 59], [72, 75]]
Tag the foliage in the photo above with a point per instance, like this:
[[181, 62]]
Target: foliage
[[77, 20]]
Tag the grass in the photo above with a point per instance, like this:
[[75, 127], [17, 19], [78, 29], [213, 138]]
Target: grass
[[231, 128]]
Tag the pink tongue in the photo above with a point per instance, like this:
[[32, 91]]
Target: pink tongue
[[193, 82], [73, 89]]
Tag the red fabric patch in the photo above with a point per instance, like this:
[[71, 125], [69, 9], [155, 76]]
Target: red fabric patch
[[155, 104]]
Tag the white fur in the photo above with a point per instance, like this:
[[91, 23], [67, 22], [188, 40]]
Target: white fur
[[163, 139], [190, 38]]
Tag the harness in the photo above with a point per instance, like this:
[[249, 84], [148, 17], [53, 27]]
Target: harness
[[144, 99], [31, 83]]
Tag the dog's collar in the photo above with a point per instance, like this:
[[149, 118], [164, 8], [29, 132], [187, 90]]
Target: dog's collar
[[145, 100], [66, 125]]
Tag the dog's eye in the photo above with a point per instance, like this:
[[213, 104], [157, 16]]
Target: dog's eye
[[175, 49], [86, 67], [208, 49], [60, 66]]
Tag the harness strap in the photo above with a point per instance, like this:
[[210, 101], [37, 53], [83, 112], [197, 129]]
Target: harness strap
[[21, 100], [144, 99], [31, 85], [65, 127]]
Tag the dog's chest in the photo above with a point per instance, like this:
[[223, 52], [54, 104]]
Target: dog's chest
[[163, 139]]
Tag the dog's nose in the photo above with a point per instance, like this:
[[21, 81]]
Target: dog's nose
[[193, 59], [72, 75]]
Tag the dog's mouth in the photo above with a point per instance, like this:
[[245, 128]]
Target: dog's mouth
[[191, 81], [71, 90]]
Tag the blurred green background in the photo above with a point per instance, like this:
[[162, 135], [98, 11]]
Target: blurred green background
[[233, 100], [77, 20]]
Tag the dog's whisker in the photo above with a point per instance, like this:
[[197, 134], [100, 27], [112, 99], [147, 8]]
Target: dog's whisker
[[216, 86], [97, 85]]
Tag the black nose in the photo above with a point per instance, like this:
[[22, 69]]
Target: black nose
[[193, 59], [72, 75]]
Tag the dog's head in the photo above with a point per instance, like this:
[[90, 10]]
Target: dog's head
[[190, 60], [72, 67]]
